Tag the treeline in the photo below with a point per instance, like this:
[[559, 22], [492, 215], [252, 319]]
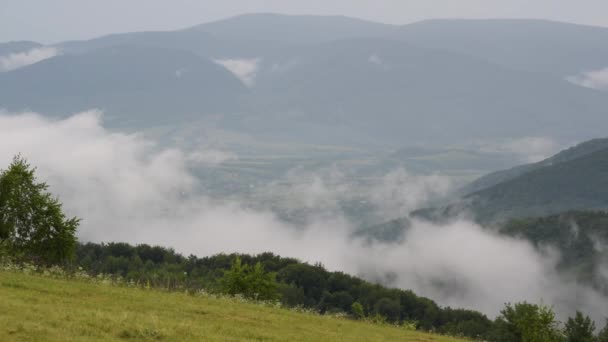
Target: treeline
[[270, 277], [296, 284]]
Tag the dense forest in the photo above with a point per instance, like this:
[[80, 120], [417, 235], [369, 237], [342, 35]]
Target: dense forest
[[298, 284]]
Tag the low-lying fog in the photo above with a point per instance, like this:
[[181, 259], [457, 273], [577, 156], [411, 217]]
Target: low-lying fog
[[128, 189]]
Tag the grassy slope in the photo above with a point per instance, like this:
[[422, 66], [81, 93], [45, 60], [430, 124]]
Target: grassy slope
[[34, 308]]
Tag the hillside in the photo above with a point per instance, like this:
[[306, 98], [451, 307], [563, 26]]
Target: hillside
[[573, 179], [577, 184], [141, 84], [557, 48], [35, 307], [337, 80], [560, 49], [569, 154], [246, 36], [388, 91], [294, 28]]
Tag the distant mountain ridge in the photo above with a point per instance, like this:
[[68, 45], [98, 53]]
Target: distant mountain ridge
[[573, 179], [571, 153], [338, 80], [305, 29], [141, 84], [577, 184], [557, 48]]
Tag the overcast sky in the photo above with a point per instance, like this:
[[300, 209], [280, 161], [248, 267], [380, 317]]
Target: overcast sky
[[58, 20]]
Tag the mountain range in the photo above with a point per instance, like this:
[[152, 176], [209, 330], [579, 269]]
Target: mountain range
[[332, 80]]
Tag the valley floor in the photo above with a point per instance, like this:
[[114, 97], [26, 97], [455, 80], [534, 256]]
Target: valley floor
[[39, 308]]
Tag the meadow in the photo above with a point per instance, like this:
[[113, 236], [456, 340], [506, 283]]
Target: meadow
[[35, 307]]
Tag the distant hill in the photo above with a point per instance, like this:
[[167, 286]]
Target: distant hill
[[572, 153], [293, 28], [245, 36], [194, 41], [338, 80], [557, 48], [573, 179], [576, 184], [133, 84], [402, 93]]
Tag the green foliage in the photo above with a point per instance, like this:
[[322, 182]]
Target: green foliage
[[579, 329], [410, 325], [32, 223], [461, 322], [603, 334], [357, 310], [527, 322], [310, 287], [250, 282], [157, 267], [388, 308]]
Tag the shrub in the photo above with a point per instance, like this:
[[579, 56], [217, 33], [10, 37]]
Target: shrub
[[250, 282], [357, 310]]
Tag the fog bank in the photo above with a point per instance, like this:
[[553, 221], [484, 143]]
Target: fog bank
[[127, 188]]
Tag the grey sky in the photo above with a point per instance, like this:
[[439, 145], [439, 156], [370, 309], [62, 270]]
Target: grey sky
[[57, 20]]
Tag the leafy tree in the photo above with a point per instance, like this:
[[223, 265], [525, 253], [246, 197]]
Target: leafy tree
[[603, 335], [357, 310], [251, 282], [262, 285], [580, 328], [530, 323], [32, 222]]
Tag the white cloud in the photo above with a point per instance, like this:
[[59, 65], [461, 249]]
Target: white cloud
[[128, 189], [18, 60], [398, 193], [597, 79], [462, 265], [245, 69]]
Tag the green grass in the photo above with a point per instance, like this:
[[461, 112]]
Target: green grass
[[40, 308]]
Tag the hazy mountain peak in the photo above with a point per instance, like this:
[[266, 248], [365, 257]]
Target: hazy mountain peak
[[293, 28]]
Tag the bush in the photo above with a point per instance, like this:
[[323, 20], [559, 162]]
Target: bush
[[250, 282], [528, 323], [357, 310]]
